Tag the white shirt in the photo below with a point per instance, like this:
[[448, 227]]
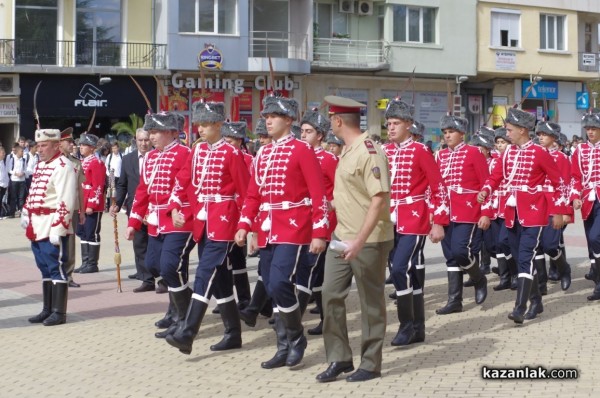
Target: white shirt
[[18, 165], [3, 175], [113, 162], [33, 161]]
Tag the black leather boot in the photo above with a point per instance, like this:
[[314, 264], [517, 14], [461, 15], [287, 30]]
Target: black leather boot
[[479, 282], [233, 328], [318, 330], [504, 274], [542, 275], [535, 298], [47, 303], [257, 303], [455, 288], [523, 290], [514, 272], [564, 270], [591, 275], [167, 320], [553, 275], [181, 301], [295, 336], [485, 260], [85, 258], [595, 294], [406, 316], [93, 257], [183, 337], [60, 293], [419, 323], [281, 355], [303, 299]]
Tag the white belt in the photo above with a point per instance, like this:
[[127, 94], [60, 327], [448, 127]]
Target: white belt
[[285, 205], [216, 198], [458, 189], [592, 185], [407, 200], [527, 188]]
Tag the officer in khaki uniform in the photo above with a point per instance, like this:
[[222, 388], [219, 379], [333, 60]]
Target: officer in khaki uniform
[[361, 197]]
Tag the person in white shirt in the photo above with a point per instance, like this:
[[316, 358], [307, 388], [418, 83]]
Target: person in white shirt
[[4, 180], [17, 188], [113, 161], [31, 162]]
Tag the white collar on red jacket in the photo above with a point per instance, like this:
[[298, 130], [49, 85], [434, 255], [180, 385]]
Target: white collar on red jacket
[[284, 140], [458, 147], [525, 145], [405, 143], [170, 146], [216, 145]]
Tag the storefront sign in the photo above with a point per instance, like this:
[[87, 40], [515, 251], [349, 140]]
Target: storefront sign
[[8, 109], [506, 60], [210, 58], [236, 85], [90, 96], [541, 90]]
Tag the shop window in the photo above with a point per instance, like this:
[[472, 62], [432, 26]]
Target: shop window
[[36, 24], [552, 32], [505, 27], [98, 40], [414, 24], [208, 16]]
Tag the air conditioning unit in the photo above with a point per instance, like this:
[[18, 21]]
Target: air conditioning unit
[[347, 6], [365, 8], [9, 85]]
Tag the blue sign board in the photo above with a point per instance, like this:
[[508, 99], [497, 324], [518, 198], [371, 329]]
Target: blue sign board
[[541, 90], [582, 100]]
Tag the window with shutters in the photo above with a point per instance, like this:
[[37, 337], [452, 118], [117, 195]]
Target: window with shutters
[[506, 28]]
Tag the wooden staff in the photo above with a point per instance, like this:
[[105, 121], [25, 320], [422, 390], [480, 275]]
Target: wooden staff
[[113, 202]]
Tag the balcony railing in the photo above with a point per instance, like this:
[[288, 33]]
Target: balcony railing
[[265, 44], [369, 54], [73, 54], [588, 62]]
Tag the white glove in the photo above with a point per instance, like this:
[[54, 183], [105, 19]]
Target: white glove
[[55, 240], [24, 219]]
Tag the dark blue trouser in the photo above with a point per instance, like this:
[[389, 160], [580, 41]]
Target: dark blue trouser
[[592, 230], [279, 266], [309, 276], [405, 260], [490, 238], [461, 244], [524, 243], [213, 274], [89, 231], [168, 256], [47, 258], [550, 243]]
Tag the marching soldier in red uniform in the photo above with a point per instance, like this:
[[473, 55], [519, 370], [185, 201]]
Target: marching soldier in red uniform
[[169, 246], [585, 165], [464, 171], [309, 280], [334, 144], [549, 134], [287, 192], [215, 176], [94, 173], [46, 217], [522, 170], [413, 171]]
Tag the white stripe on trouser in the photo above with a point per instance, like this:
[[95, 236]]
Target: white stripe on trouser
[[303, 289], [453, 269], [500, 255], [409, 288], [525, 275], [288, 309], [417, 292], [63, 275], [214, 273], [96, 233], [557, 256], [312, 269], [178, 270], [260, 278], [55, 281], [317, 289], [239, 271], [471, 257], [226, 299], [200, 298], [178, 289], [420, 266], [541, 256], [46, 279], [404, 292], [93, 243], [84, 241]]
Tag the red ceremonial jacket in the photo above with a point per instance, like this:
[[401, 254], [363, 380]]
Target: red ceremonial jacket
[[214, 178], [157, 179], [413, 170], [287, 192], [491, 207], [328, 162], [94, 172], [522, 171], [464, 171], [585, 167], [563, 164]]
